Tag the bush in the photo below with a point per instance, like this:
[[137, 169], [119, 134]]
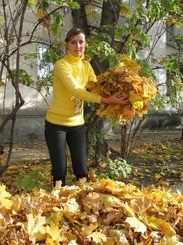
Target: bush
[[116, 169], [31, 180]]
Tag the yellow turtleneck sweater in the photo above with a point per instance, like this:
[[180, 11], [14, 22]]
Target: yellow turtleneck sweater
[[70, 77]]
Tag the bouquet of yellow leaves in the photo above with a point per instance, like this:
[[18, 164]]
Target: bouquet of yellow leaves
[[124, 78]]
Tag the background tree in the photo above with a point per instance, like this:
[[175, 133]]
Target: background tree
[[16, 40], [113, 28]]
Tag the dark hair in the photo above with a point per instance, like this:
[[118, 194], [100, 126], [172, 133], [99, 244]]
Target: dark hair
[[73, 32]]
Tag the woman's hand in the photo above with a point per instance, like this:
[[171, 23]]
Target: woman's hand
[[116, 98]]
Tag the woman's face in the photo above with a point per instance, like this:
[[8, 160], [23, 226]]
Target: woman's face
[[76, 45]]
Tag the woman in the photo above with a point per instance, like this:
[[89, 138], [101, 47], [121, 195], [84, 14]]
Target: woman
[[64, 122]]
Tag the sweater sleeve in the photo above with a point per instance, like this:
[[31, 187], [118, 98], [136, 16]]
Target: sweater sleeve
[[63, 73]]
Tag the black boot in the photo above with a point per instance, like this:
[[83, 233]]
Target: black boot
[[82, 176], [58, 179]]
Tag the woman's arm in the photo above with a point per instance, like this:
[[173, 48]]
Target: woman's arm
[[115, 99]]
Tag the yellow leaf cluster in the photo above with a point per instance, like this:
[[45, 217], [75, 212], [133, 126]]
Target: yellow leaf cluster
[[99, 212], [42, 15], [124, 78], [2, 83], [4, 198], [170, 21]]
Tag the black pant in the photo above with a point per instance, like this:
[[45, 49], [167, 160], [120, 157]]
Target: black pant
[[75, 137]]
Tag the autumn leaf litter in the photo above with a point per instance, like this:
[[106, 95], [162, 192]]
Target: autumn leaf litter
[[102, 211]]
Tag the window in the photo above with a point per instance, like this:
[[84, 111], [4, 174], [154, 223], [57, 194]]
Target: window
[[44, 67]]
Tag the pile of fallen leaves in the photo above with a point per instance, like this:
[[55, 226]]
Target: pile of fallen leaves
[[98, 212], [126, 79]]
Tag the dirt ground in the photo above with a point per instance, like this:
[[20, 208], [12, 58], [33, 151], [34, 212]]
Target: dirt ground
[[156, 159]]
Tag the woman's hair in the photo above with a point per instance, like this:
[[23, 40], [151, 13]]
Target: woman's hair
[[73, 32]]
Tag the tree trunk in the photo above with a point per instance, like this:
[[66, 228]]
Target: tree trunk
[[124, 142], [182, 125], [14, 78], [95, 139], [110, 14], [79, 17]]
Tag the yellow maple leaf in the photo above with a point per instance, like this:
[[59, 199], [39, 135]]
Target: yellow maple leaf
[[56, 217], [54, 231], [35, 226], [128, 210], [6, 203], [136, 224], [128, 112], [145, 90], [170, 21], [128, 64], [136, 100], [167, 229], [17, 203], [96, 201], [3, 192], [163, 225], [4, 197], [157, 176], [86, 230], [72, 206], [50, 241], [97, 237]]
